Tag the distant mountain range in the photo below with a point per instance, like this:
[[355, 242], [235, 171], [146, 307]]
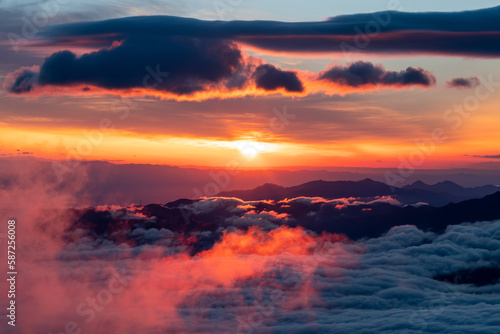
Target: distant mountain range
[[357, 223], [438, 194], [207, 218], [448, 187], [122, 184], [362, 209]]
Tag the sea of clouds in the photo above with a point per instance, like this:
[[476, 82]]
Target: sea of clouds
[[253, 274]]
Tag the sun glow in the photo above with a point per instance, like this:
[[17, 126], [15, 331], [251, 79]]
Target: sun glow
[[251, 149]]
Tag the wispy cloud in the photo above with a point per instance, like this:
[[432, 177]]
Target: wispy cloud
[[487, 156]]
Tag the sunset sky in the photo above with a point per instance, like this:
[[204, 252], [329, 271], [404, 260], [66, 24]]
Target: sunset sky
[[250, 166], [318, 85]]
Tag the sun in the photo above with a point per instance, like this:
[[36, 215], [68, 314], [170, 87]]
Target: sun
[[251, 149]]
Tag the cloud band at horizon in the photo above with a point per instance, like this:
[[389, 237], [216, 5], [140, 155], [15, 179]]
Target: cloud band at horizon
[[188, 59]]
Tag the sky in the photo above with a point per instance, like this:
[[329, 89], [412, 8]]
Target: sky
[[104, 104], [323, 85]]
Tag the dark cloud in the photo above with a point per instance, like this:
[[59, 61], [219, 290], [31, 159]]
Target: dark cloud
[[180, 66], [203, 59], [176, 68], [454, 33], [365, 73], [269, 77], [464, 82]]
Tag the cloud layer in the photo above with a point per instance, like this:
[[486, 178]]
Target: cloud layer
[[187, 59], [221, 70], [244, 278], [382, 32], [168, 268]]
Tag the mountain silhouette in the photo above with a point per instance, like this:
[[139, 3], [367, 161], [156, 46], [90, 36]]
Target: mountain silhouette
[[439, 194], [357, 221]]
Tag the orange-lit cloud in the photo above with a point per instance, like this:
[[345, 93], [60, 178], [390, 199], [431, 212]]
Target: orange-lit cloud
[[22, 82], [196, 70], [111, 282]]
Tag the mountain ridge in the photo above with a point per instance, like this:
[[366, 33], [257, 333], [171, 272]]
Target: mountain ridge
[[438, 194]]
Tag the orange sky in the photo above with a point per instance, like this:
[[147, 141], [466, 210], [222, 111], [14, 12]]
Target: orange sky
[[324, 124], [477, 136]]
